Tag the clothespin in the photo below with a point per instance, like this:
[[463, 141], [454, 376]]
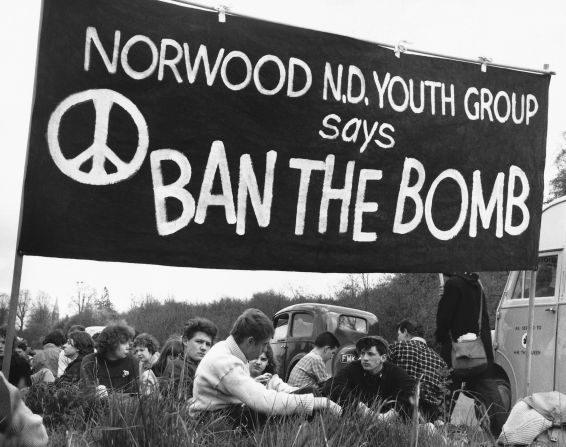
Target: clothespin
[[546, 67], [221, 13], [400, 48], [484, 61]]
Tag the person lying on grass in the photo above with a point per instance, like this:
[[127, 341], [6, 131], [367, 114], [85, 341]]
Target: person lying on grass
[[371, 379], [223, 383], [112, 367]]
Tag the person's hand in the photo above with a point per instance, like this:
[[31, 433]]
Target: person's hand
[[333, 408], [384, 417], [364, 410], [101, 391], [264, 378], [322, 403]]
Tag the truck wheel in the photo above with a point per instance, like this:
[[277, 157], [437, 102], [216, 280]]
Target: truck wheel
[[504, 390], [289, 372]]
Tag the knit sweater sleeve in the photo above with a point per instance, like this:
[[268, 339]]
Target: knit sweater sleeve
[[238, 383], [277, 384]]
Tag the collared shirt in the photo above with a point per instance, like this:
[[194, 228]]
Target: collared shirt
[[309, 371], [417, 359]]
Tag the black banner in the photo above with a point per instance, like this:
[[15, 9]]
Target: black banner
[[163, 136]]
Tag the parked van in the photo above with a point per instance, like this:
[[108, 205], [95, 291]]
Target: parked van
[[549, 325]]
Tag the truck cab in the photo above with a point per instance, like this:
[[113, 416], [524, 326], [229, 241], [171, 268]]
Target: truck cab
[[297, 326], [548, 353]]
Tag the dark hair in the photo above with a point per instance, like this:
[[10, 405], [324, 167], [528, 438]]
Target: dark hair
[[148, 341], [271, 367], [22, 344], [198, 324], [75, 328], [365, 343], [111, 336], [3, 331], [82, 342], [252, 323], [412, 328], [57, 337], [172, 348], [326, 339]]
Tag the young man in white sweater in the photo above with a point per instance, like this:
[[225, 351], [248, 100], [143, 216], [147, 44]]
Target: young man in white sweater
[[223, 382]]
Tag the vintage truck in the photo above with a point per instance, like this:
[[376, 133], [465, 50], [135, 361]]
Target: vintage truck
[[548, 366], [297, 326]]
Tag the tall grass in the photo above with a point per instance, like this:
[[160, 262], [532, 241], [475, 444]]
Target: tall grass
[[159, 421]]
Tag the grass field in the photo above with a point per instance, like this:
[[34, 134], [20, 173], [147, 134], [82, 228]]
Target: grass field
[[164, 422]]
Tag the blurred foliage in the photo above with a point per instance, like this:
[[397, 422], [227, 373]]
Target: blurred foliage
[[400, 296]]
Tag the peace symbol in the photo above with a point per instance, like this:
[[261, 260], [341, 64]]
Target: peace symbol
[[99, 151]]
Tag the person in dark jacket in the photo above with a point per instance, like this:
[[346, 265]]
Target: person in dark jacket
[[79, 345], [458, 314], [112, 368], [20, 370], [198, 337], [371, 380]]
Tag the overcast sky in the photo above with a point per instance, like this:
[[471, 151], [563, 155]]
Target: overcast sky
[[520, 33]]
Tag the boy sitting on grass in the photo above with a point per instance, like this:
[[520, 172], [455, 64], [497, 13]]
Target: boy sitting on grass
[[223, 383], [371, 380]]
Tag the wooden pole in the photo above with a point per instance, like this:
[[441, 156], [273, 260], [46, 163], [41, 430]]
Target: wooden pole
[[11, 330], [19, 257], [530, 333]]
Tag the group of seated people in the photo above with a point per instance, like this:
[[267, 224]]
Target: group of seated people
[[238, 376]]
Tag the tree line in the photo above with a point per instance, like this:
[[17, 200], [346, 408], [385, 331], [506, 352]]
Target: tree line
[[391, 299]]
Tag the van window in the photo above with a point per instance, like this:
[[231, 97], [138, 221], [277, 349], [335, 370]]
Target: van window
[[546, 279], [302, 325], [281, 325], [352, 323]]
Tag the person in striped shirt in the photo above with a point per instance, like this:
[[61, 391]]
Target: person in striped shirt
[[419, 361], [311, 371]]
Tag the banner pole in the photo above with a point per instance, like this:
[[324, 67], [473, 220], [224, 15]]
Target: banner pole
[[11, 329], [19, 257], [530, 333]]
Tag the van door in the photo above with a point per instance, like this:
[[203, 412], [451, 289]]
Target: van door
[[560, 361], [512, 325]]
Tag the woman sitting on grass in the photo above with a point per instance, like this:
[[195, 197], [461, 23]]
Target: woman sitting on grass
[[146, 349], [263, 370], [172, 349], [111, 367], [78, 346]]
